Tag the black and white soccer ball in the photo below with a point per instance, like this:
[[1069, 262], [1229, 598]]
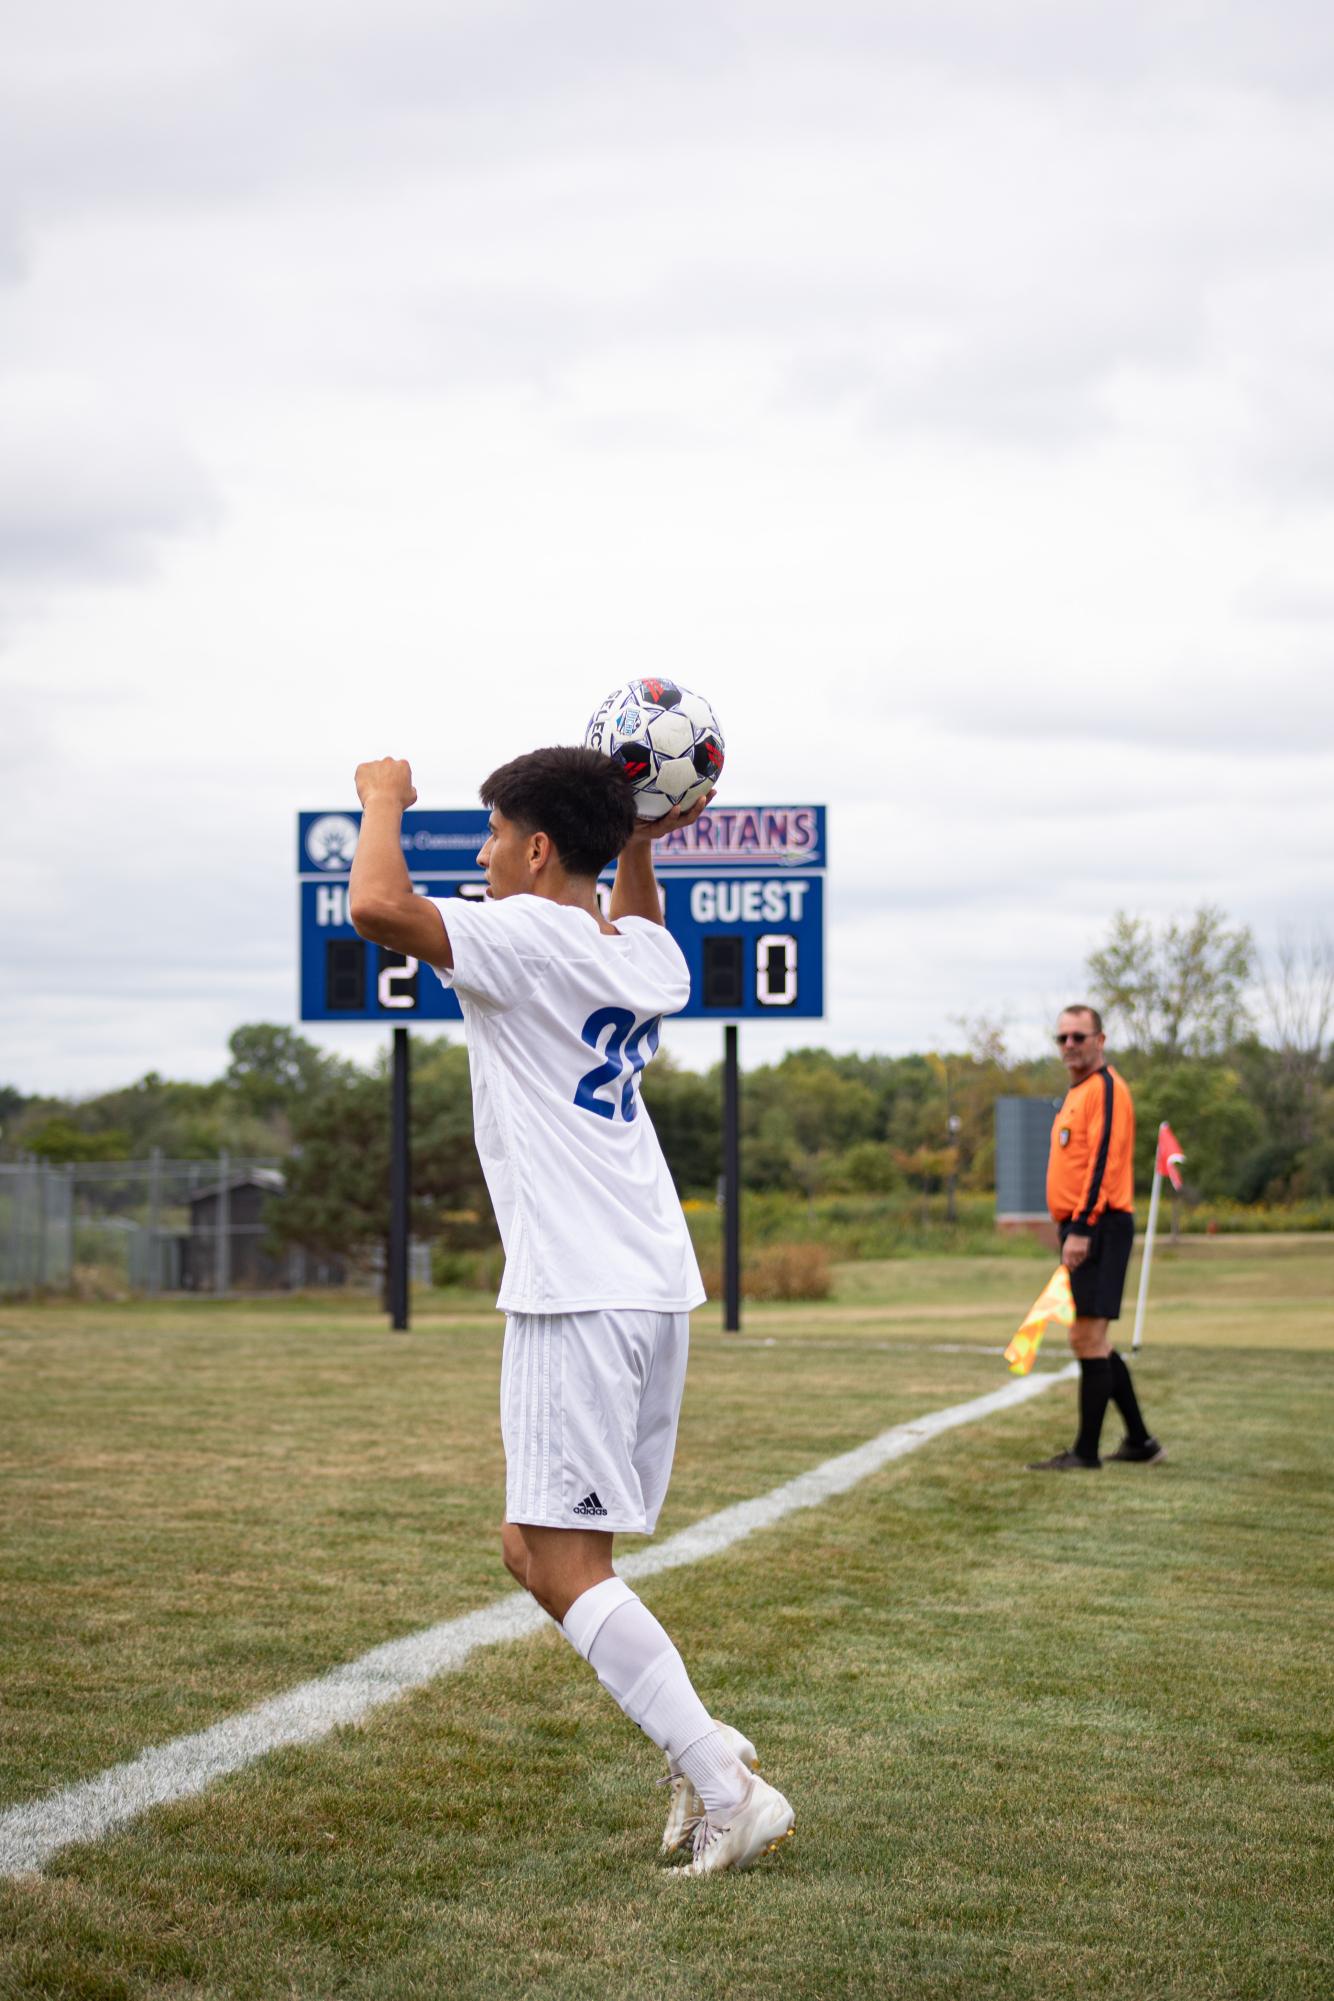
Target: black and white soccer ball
[[665, 739]]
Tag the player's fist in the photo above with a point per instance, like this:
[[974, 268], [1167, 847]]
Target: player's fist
[[387, 778]]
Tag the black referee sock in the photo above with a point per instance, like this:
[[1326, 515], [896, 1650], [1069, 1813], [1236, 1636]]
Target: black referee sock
[[1095, 1387], [1123, 1396]]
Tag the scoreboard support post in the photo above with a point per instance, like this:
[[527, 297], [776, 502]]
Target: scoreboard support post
[[731, 1182], [400, 1184]]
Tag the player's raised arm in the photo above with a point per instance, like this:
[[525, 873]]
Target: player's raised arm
[[382, 903], [635, 891]]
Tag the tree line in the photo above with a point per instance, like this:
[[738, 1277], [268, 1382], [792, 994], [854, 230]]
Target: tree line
[[1248, 1087]]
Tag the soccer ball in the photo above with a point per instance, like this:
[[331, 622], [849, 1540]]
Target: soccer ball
[[666, 740]]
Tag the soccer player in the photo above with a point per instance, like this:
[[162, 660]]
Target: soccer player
[[562, 1009], [1091, 1196]]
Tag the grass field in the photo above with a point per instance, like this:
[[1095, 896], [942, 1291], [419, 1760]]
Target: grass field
[[1045, 1737]]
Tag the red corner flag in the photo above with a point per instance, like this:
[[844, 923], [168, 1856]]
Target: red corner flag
[[1170, 1155]]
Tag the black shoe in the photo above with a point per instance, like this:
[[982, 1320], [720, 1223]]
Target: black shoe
[[1147, 1454], [1065, 1462]]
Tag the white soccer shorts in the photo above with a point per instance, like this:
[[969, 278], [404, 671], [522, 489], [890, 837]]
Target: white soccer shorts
[[589, 1404]]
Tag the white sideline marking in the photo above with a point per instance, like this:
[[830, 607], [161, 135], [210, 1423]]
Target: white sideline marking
[[31, 1834]]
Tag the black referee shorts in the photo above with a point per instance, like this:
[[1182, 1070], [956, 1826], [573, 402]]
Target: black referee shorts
[[1098, 1283]]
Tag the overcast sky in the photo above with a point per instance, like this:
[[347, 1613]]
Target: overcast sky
[[942, 387]]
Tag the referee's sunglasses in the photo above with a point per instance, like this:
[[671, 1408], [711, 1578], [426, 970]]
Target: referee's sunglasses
[[1072, 1035]]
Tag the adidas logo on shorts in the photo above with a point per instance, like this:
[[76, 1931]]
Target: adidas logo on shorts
[[590, 1505]]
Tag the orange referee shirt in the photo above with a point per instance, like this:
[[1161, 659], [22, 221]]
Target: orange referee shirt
[[1090, 1167]]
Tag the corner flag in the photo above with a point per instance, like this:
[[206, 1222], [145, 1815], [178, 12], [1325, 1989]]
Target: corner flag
[[1054, 1302], [1167, 1161], [1170, 1155]]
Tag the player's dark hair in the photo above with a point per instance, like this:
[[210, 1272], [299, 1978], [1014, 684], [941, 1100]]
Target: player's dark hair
[[580, 799], [1082, 1007]]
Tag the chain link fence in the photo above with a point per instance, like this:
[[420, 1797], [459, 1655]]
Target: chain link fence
[[149, 1226]]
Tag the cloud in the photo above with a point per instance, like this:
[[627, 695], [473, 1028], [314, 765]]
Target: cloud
[[87, 490], [1243, 708], [939, 387], [217, 105]]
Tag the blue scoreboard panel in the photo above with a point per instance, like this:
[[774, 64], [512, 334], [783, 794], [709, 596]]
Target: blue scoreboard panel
[[743, 895]]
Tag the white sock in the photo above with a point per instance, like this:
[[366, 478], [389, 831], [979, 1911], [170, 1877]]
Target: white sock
[[634, 1659], [717, 1774]]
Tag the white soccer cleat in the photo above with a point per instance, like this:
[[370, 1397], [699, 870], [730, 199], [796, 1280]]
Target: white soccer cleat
[[761, 1822], [684, 1805]]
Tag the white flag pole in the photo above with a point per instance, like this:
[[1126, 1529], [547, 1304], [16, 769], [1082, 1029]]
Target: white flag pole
[[1142, 1301]]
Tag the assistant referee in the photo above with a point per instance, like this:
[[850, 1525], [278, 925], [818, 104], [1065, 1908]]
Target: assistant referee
[[1091, 1196]]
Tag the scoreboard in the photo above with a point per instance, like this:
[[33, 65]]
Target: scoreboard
[[743, 895]]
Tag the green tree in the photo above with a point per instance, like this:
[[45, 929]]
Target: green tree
[[1289, 1075], [926, 1168], [1207, 1110], [59, 1139], [868, 1168], [1176, 991], [823, 1107], [798, 1115], [188, 1121], [272, 1067], [448, 1175], [918, 1104], [687, 1114], [336, 1201]]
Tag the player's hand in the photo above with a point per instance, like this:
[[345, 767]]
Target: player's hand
[[654, 830], [1073, 1252], [387, 778]]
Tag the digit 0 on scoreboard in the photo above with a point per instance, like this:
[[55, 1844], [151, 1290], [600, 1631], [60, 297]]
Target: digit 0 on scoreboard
[[776, 970], [726, 957]]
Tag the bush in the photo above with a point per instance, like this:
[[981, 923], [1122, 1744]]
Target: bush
[[471, 1271], [869, 1168], [782, 1271], [1256, 1219], [99, 1282], [862, 1226]]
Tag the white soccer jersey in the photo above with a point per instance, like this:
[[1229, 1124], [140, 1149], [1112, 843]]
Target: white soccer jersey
[[561, 1018]]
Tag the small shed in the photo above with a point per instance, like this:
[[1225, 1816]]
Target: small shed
[[225, 1249]]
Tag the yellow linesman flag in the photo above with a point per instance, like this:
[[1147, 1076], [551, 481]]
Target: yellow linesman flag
[[1054, 1302]]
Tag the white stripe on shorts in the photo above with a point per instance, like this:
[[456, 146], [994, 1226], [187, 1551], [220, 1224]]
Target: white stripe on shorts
[[551, 1350], [533, 1400]]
